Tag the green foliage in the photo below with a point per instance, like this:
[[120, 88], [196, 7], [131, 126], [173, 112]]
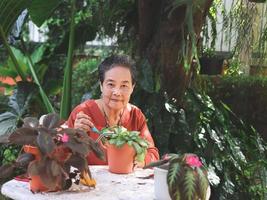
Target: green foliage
[[245, 95], [8, 153], [40, 10], [119, 136], [17, 106], [10, 10], [85, 80], [226, 144]]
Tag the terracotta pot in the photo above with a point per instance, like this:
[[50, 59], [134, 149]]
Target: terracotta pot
[[120, 160], [36, 184], [33, 150]]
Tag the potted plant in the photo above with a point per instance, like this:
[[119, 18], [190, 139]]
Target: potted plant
[[180, 177], [123, 147], [50, 152]]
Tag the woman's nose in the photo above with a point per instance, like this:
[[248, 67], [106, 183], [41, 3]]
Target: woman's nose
[[116, 91]]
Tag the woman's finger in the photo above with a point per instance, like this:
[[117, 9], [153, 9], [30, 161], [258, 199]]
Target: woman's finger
[[83, 122]]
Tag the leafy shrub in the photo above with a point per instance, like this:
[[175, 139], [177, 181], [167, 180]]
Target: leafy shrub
[[85, 81], [229, 147], [234, 150]]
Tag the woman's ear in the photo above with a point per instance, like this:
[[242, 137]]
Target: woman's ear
[[133, 87], [101, 87]]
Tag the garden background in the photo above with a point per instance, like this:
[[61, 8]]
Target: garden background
[[201, 84]]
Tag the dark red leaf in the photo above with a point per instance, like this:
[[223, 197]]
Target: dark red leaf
[[23, 136], [6, 170], [51, 120], [30, 122], [45, 141], [24, 159]]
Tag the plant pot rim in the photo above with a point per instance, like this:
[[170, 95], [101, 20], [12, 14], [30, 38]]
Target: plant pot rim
[[164, 167]]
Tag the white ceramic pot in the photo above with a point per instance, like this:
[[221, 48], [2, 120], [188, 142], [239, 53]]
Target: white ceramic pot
[[160, 184]]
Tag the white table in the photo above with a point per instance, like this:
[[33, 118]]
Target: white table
[[109, 187]]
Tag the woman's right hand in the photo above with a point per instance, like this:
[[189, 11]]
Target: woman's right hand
[[83, 122]]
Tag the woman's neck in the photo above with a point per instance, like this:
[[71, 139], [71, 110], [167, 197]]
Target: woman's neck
[[112, 117]]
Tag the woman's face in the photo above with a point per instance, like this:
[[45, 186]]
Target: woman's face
[[117, 87]]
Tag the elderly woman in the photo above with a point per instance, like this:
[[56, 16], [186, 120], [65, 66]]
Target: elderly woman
[[117, 76]]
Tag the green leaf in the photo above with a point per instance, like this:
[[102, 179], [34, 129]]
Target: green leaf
[[38, 53], [20, 100], [21, 59], [137, 148], [7, 72], [119, 143], [65, 107], [41, 10], [8, 123], [140, 157]]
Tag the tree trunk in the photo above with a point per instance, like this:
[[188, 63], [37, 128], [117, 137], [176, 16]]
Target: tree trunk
[[161, 34]]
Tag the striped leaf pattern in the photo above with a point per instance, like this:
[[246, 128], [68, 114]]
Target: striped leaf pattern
[[186, 182]]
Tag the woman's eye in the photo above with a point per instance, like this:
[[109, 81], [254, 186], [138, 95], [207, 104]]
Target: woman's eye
[[124, 86], [110, 84]]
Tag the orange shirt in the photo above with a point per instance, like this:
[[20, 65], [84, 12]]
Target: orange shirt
[[132, 119]]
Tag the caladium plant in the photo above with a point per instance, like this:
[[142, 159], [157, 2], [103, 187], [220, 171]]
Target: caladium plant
[[59, 149], [187, 178]]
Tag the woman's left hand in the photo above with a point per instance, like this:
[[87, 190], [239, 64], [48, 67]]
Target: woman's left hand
[[138, 164]]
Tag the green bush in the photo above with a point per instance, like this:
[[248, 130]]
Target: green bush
[[228, 146], [245, 95], [85, 81]]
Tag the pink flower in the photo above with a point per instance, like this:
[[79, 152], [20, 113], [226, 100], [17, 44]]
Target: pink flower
[[193, 161], [65, 138]]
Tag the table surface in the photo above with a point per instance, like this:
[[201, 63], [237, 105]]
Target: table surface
[[109, 187]]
